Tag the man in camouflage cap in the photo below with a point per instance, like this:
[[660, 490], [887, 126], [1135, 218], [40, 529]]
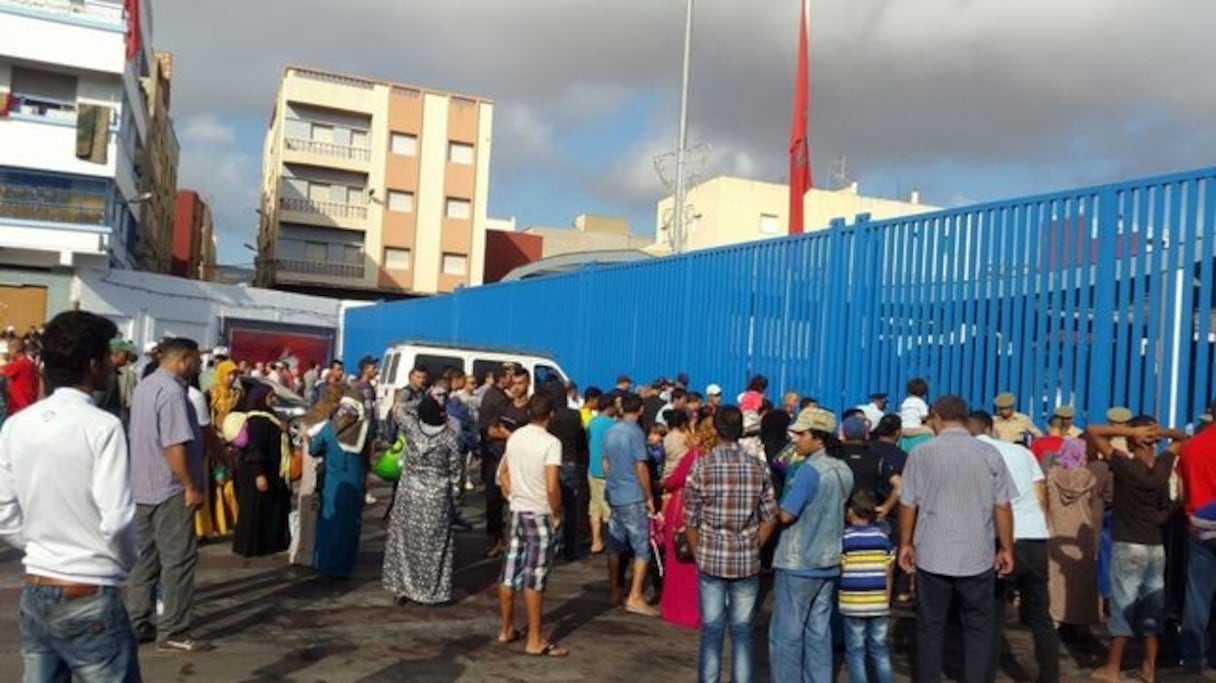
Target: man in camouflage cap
[[1010, 425]]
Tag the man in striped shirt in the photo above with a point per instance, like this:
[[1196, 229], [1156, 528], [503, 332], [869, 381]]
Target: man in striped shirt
[[865, 590]]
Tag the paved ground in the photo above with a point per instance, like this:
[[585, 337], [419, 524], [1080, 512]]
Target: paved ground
[[274, 623]]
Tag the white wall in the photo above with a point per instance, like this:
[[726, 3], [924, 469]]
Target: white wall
[[147, 306], [31, 38]]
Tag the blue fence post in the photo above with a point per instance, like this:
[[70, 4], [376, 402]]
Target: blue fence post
[[1103, 317]]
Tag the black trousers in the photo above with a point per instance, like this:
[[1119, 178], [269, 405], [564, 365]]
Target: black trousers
[[934, 593], [495, 503], [574, 507], [1029, 579]]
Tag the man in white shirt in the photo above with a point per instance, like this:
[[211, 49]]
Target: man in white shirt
[[530, 476], [65, 499], [1030, 535], [875, 409]]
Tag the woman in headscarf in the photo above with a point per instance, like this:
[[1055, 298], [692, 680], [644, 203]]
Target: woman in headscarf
[[336, 433], [1077, 491], [679, 602], [218, 515], [262, 475], [418, 553]]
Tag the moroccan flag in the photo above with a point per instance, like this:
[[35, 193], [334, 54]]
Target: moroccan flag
[[800, 148], [132, 11]]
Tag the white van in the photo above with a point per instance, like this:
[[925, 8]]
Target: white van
[[475, 361]]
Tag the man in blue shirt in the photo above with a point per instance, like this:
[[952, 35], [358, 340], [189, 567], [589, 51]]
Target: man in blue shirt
[[599, 512], [629, 495]]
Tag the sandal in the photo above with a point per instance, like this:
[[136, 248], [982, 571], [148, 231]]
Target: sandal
[[550, 650]]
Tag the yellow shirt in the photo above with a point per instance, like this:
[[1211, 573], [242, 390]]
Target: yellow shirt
[[1073, 432], [1014, 428]]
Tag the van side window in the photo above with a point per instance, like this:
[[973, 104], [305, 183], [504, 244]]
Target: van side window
[[544, 373], [484, 368], [435, 365], [390, 374]]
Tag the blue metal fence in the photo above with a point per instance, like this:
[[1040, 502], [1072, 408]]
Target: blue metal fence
[[1095, 297]]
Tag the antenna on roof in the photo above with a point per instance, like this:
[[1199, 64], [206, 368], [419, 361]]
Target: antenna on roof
[[840, 172]]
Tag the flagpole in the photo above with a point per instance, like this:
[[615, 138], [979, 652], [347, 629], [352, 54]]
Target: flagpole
[[678, 236]]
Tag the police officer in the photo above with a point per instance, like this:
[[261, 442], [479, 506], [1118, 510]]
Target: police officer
[[1010, 425]]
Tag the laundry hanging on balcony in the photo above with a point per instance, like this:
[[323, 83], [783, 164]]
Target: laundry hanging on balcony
[[93, 133]]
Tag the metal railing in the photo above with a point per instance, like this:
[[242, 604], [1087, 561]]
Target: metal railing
[[52, 211], [332, 209], [92, 9], [1056, 298], [326, 268], [328, 149]]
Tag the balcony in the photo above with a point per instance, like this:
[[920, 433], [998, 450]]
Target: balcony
[[81, 34], [353, 271], [327, 209], [109, 14], [344, 152]]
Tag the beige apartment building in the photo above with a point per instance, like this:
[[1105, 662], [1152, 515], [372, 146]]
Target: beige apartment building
[[372, 188], [727, 210], [157, 171], [589, 233]]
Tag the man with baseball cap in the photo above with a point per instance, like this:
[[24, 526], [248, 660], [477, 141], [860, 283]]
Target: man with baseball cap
[[713, 394], [1010, 425], [875, 409], [807, 559]]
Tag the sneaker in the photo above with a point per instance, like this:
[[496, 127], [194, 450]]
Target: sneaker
[[369, 499], [184, 644]]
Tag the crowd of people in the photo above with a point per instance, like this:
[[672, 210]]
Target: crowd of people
[[694, 499]]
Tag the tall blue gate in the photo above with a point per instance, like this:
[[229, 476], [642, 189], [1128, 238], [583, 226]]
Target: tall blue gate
[[1096, 297]]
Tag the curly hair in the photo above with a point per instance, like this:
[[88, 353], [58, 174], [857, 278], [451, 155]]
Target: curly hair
[[73, 341]]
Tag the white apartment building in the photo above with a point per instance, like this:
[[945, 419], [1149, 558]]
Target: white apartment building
[[373, 188], [73, 121], [727, 210]]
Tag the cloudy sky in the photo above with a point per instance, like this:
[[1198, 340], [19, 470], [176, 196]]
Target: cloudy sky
[[965, 100]]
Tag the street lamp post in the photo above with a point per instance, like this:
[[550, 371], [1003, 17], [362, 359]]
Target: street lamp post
[[678, 236]]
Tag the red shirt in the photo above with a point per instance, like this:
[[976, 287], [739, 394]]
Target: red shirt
[[1197, 466], [1044, 445], [22, 377]]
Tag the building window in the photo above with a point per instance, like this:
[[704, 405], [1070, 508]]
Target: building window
[[405, 144], [455, 264], [322, 133], [770, 224], [400, 201], [358, 139], [397, 259], [458, 209], [43, 93], [460, 153], [316, 251]]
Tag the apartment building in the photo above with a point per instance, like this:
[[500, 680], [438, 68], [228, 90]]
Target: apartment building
[[728, 210], [73, 125], [193, 237], [157, 171], [372, 188]]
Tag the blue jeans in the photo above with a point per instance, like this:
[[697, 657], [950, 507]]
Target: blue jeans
[[86, 639], [864, 635], [727, 602], [1197, 609], [800, 633]]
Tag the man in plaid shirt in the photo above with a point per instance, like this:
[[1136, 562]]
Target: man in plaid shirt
[[730, 514]]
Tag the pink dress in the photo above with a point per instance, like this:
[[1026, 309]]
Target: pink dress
[[679, 604]]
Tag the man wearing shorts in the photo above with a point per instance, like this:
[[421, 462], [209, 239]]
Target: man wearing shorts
[[599, 510], [530, 476], [1137, 572], [629, 494]]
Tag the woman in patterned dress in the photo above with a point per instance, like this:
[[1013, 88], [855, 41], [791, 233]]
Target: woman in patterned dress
[[418, 553]]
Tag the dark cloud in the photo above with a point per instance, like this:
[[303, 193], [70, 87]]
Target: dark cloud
[[931, 91]]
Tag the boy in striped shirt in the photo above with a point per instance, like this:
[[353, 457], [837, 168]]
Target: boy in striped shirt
[[865, 590]]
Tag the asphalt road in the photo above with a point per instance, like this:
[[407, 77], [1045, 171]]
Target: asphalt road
[[271, 622]]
